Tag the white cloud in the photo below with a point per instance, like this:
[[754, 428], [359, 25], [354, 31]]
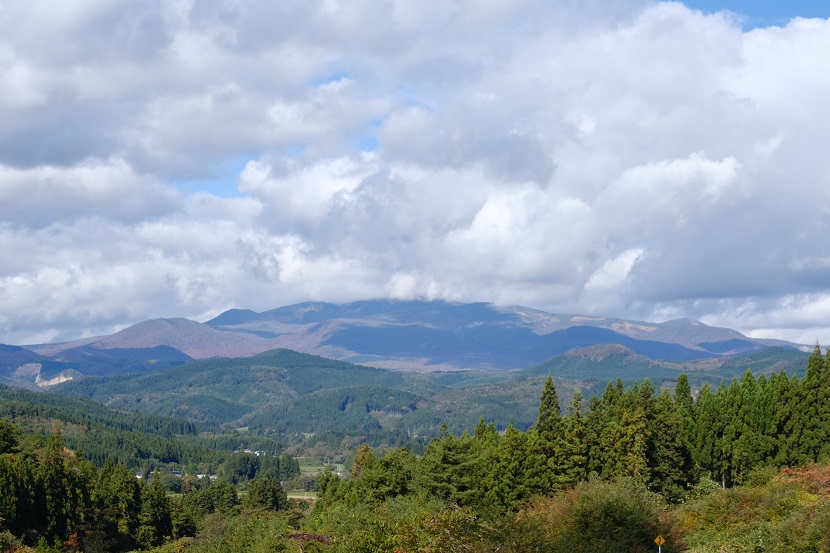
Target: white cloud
[[615, 271], [633, 158], [109, 188]]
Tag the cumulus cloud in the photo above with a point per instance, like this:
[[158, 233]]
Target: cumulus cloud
[[43, 195], [634, 159]]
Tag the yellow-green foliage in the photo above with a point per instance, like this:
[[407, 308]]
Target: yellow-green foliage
[[250, 531], [788, 514], [597, 516], [405, 523]]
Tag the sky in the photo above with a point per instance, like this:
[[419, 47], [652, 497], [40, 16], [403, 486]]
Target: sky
[[624, 158]]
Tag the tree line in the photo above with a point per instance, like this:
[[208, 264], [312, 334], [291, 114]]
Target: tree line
[[589, 470], [669, 441], [53, 497]]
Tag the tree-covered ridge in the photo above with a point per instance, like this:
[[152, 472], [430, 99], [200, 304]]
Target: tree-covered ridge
[[597, 477], [54, 498], [16, 402], [137, 440], [670, 442], [311, 403], [708, 471]]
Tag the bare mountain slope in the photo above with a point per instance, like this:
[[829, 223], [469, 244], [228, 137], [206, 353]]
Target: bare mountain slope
[[195, 339]]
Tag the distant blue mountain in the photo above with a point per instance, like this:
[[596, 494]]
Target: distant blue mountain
[[92, 361], [444, 314], [18, 363], [731, 347], [471, 335], [410, 335], [494, 345]]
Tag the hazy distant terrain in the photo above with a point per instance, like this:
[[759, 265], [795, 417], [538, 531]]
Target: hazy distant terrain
[[401, 335]]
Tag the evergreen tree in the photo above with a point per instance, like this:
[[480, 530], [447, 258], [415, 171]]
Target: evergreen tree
[[729, 404], [61, 489], [670, 461], [623, 441], [117, 502], [390, 476], [155, 521], [184, 518], [363, 459], [221, 496], [9, 437], [685, 409], [787, 421], [450, 470], [813, 435], [706, 451], [574, 453], [815, 364], [545, 458], [509, 484], [823, 402], [765, 412], [481, 429], [266, 493], [748, 447], [593, 430], [9, 495], [288, 467], [549, 423]]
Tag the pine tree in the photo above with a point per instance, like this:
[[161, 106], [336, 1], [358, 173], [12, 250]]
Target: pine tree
[[670, 461], [509, 483], [9, 437], [787, 421], [685, 409], [574, 454], [64, 494], [594, 422], [545, 456], [266, 492], [449, 470], [824, 407], [117, 502], [549, 422], [748, 447], [155, 520], [813, 437], [706, 452]]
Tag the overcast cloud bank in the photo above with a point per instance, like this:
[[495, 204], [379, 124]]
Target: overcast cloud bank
[[630, 159]]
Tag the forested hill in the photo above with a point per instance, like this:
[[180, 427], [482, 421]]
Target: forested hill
[[139, 440], [598, 477], [730, 468], [306, 400]]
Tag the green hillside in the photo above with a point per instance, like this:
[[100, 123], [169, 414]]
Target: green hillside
[[731, 468], [139, 440], [609, 362], [310, 402]]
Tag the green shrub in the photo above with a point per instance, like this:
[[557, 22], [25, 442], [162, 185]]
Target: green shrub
[[599, 517]]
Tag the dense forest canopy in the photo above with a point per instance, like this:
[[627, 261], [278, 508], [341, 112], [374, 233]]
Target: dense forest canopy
[[606, 474]]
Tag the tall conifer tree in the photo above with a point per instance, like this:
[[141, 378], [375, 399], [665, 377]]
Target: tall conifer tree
[[545, 454]]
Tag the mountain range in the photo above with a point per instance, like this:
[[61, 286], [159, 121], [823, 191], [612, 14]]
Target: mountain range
[[402, 335], [315, 375]]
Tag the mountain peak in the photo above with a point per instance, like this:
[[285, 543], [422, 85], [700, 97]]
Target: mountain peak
[[194, 339]]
